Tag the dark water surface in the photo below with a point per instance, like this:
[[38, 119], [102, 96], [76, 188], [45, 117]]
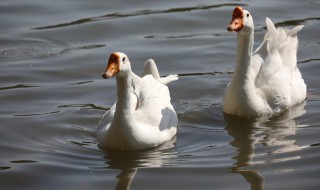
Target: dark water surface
[[52, 54]]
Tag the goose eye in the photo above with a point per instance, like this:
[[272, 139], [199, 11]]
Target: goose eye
[[248, 15], [123, 59]]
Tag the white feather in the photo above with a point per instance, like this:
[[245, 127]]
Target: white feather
[[143, 116], [271, 80]]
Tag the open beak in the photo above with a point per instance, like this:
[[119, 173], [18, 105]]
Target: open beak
[[236, 23]]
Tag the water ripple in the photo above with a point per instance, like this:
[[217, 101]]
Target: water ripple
[[23, 161], [309, 60], [84, 106], [296, 22], [137, 13], [5, 168], [205, 73], [36, 114], [16, 87], [186, 36], [21, 48]]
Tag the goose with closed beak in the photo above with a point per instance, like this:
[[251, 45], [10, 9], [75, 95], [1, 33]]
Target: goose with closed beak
[[143, 116], [268, 81]]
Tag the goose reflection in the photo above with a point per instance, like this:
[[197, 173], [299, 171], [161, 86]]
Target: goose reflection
[[129, 163], [271, 134]]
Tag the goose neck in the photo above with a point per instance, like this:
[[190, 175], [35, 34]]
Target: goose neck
[[124, 90], [244, 53]]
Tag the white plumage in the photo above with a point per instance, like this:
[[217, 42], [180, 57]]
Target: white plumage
[[142, 116], [267, 81]]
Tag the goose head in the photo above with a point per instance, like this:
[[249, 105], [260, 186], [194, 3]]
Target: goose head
[[118, 65], [241, 21]]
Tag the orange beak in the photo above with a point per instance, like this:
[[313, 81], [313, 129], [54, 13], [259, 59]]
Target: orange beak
[[113, 67], [236, 23]]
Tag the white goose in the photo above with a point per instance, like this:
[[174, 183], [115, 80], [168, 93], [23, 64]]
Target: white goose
[[142, 116], [268, 81]]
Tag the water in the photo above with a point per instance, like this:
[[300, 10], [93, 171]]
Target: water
[[52, 54]]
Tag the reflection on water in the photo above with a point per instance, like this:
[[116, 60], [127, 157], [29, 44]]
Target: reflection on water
[[254, 140], [276, 134], [52, 96], [129, 162], [125, 179], [244, 140]]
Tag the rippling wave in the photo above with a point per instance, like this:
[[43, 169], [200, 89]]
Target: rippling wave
[[52, 97], [137, 13], [22, 48], [296, 22]]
